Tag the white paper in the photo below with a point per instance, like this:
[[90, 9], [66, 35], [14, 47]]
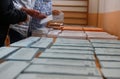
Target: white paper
[[45, 20], [55, 69], [23, 54], [49, 76], [10, 69], [67, 62]]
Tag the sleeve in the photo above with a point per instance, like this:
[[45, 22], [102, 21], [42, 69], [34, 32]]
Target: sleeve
[[9, 14], [17, 5]]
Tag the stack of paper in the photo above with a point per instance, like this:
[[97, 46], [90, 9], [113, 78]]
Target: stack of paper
[[110, 65], [69, 51], [103, 45], [100, 35], [106, 41], [107, 51], [23, 54], [72, 48], [73, 41], [43, 43], [111, 73], [109, 58], [53, 33], [82, 63], [73, 34], [73, 45], [25, 42], [66, 56], [11, 69], [59, 69], [51, 76], [6, 51]]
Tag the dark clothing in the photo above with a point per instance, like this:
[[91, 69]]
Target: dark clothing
[[15, 36], [9, 15]]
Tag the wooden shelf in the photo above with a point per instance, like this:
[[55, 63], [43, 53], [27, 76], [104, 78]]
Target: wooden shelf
[[75, 11]]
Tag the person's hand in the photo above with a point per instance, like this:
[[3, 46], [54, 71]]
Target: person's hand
[[34, 13]]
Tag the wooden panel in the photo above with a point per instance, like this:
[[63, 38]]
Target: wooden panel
[[75, 21], [77, 9], [74, 14]]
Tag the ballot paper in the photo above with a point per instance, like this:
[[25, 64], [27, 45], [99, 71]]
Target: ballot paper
[[67, 56], [111, 65], [60, 69], [53, 76], [25, 42], [111, 73], [100, 45], [73, 34], [11, 69], [5, 51], [108, 58], [69, 62], [69, 51], [24, 54], [43, 43], [106, 41], [73, 45], [45, 20], [100, 35], [107, 51], [53, 33], [72, 48], [66, 40]]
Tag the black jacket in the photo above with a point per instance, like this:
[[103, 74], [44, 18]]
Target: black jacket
[[10, 15]]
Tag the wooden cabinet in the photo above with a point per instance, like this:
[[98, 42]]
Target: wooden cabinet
[[75, 11]]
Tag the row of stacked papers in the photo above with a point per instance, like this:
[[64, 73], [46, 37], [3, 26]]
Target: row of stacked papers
[[65, 58], [53, 63], [64, 63], [80, 34], [108, 53]]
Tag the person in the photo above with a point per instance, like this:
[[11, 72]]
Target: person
[[45, 7], [9, 15], [17, 33]]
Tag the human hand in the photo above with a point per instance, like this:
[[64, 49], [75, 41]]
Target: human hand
[[34, 13]]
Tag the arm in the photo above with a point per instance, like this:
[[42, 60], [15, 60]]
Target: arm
[[9, 14]]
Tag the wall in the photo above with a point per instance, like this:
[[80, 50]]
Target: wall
[[93, 13], [109, 16]]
